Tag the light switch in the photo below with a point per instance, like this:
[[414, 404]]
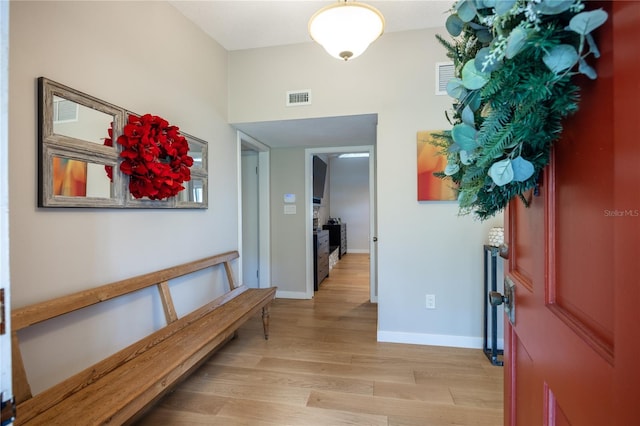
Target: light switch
[[289, 209]]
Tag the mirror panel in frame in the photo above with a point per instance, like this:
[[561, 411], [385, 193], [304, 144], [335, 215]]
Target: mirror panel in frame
[[72, 128]]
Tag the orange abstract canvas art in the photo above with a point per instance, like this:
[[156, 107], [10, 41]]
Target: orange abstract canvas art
[[430, 187]]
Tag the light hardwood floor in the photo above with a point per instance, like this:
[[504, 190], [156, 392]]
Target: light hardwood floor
[[322, 366]]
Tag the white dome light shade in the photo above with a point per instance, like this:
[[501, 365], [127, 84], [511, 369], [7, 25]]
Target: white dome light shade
[[346, 29]]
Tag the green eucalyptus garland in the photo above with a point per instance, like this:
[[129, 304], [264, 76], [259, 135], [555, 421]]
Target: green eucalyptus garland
[[514, 62]]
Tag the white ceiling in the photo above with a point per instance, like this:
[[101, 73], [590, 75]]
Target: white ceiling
[[247, 24]]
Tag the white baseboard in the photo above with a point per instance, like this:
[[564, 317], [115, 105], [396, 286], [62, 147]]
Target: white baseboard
[[433, 339], [358, 251], [292, 295]]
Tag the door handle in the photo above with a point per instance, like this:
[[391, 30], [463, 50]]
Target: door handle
[[497, 299], [509, 299], [375, 239]]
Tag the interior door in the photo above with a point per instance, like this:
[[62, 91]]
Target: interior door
[[571, 355], [250, 220]]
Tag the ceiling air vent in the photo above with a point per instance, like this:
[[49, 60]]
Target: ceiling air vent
[[444, 73], [298, 97]]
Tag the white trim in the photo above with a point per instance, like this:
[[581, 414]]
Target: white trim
[[431, 339], [373, 229], [5, 340], [292, 295], [358, 251], [264, 224]]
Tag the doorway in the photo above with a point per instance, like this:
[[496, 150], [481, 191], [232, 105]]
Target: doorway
[[253, 212], [372, 229]]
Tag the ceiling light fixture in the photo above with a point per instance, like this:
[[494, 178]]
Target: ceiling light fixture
[[345, 29], [354, 155]]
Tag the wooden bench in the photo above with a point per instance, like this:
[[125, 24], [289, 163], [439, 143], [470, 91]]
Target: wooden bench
[[116, 389]]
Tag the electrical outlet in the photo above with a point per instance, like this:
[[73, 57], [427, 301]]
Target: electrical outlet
[[431, 301]]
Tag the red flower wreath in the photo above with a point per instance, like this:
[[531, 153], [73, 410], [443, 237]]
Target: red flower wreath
[[155, 157]]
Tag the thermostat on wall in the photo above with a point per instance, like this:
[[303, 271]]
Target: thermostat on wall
[[289, 198]]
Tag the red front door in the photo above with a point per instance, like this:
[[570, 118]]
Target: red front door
[[572, 355]]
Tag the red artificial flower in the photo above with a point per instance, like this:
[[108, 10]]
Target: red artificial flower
[[155, 157]]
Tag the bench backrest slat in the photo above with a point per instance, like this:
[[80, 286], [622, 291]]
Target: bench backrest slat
[[167, 302], [38, 312], [21, 386], [230, 278]]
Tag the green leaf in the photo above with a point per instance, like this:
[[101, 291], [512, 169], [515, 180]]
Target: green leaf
[[465, 157], [472, 78], [454, 25], [585, 22], [456, 89], [586, 69], [522, 169], [451, 169], [560, 58], [593, 47], [501, 172], [484, 36], [466, 10], [467, 197], [476, 26], [516, 42], [553, 7], [474, 100], [465, 136], [468, 117], [504, 6], [488, 3], [485, 63]]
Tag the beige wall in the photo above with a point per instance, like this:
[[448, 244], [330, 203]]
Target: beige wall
[[423, 247], [144, 56], [349, 192], [288, 270]]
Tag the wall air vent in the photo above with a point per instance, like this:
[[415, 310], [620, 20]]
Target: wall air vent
[[444, 73], [64, 111], [298, 97]]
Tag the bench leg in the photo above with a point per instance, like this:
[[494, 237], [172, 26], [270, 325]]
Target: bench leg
[[265, 321]]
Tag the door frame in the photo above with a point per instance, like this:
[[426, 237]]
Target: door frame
[[264, 220], [6, 387], [308, 210]]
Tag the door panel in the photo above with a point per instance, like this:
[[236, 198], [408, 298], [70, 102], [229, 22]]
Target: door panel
[[554, 414], [527, 406], [522, 262], [626, 267], [250, 219], [583, 178], [574, 257]]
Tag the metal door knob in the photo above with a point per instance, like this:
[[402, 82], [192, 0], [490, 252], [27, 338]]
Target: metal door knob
[[497, 299], [509, 299]]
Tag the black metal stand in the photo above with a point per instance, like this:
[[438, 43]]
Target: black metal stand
[[490, 284]]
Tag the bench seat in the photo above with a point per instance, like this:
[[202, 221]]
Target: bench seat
[[118, 388]]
